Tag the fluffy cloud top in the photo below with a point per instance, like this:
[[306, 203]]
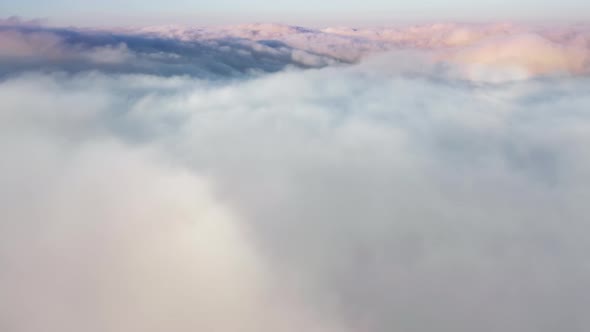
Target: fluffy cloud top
[[214, 52], [534, 50], [23, 48], [396, 193]]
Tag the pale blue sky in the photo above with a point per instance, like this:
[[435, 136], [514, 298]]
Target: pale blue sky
[[291, 11]]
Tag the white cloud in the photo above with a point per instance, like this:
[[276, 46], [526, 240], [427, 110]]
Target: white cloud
[[98, 235], [391, 195]]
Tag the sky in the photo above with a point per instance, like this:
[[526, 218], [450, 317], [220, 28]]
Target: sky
[[291, 11]]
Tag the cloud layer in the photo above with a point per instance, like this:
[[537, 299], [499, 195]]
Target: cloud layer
[[425, 178], [480, 50]]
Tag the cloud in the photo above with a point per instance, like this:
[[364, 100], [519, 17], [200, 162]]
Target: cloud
[[394, 194], [529, 53], [488, 52], [32, 48], [102, 236]]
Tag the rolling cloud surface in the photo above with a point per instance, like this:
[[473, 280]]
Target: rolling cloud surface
[[275, 178]]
